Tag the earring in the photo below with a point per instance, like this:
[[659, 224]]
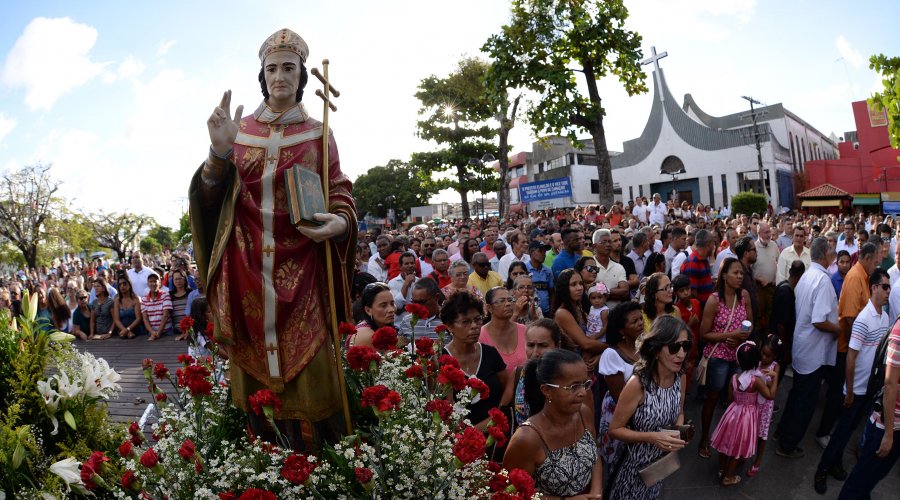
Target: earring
[[549, 401]]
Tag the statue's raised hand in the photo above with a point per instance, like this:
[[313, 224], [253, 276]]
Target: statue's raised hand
[[223, 129]]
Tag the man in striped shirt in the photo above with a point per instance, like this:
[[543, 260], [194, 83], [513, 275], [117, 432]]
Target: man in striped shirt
[[156, 308], [696, 267], [870, 325]]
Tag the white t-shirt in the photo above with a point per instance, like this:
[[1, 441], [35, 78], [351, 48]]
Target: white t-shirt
[[640, 213], [376, 270], [595, 323], [658, 214], [611, 363], [868, 328], [816, 302]]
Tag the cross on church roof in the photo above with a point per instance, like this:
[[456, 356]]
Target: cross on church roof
[[654, 59]]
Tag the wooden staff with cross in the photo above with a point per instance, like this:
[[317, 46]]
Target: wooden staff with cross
[[327, 92]]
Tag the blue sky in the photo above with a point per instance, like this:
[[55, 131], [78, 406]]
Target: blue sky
[[116, 95]]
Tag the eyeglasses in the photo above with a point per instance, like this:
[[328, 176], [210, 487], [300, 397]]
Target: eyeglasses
[[674, 347], [591, 269], [82, 298], [885, 286], [504, 300], [525, 287], [574, 388], [466, 323], [481, 264]]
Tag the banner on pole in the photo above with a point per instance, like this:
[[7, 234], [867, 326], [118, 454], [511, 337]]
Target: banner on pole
[[545, 190]]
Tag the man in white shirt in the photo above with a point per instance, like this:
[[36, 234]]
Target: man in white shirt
[[894, 273], [731, 235], [848, 243], [657, 211], [518, 244], [639, 245], [814, 346], [640, 210], [137, 275], [796, 251], [676, 246], [610, 272], [402, 284], [377, 266]]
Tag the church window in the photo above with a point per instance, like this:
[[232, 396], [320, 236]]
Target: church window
[[640, 190], [724, 188], [793, 159], [571, 158], [712, 195], [630, 192]]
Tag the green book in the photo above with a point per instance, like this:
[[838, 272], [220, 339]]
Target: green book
[[304, 195]]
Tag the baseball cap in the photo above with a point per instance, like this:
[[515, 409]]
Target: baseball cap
[[535, 244]]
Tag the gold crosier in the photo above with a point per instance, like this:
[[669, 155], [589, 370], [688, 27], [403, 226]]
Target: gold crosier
[[326, 95]]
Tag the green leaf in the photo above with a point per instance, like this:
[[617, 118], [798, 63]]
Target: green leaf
[[18, 456], [70, 419]]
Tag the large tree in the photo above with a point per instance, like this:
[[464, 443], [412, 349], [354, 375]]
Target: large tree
[[455, 114], [117, 231], [889, 97], [163, 236], [543, 48], [26, 203], [66, 232], [397, 179]]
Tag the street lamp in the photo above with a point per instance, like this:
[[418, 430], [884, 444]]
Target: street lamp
[[486, 158]]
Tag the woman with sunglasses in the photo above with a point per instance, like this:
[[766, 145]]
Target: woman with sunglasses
[[81, 316], [378, 311], [651, 402], [501, 331], [587, 267], [725, 311], [569, 314], [127, 309], [462, 314], [659, 299], [556, 445]]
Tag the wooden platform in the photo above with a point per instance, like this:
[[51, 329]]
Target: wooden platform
[[125, 356]]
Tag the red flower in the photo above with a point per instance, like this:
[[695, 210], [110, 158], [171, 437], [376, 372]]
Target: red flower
[[497, 483], [480, 386], [186, 324], [441, 330], [363, 474], [147, 363], [264, 398], [346, 329], [187, 450], [126, 449], [128, 479], [499, 418], [498, 435], [257, 494], [380, 397], [194, 377], [227, 495], [452, 376], [425, 347], [417, 310], [137, 437], [87, 475], [494, 467], [385, 338], [449, 360], [523, 482], [440, 406], [185, 359], [469, 445], [415, 371], [360, 357], [160, 371], [161, 396], [502, 495], [297, 468], [149, 459]]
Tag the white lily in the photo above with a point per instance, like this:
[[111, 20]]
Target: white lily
[[108, 377], [68, 470], [32, 303], [90, 370], [51, 397], [66, 388], [58, 336]]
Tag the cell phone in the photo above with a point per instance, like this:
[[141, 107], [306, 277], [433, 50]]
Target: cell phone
[[684, 432]]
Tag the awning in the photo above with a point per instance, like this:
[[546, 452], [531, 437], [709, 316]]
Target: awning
[[867, 201], [820, 203]]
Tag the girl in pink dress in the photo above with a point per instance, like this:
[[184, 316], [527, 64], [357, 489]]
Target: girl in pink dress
[[735, 436], [770, 351]]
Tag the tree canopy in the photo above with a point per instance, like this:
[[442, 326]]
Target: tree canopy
[[546, 44], [454, 114], [889, 97], [117, 231], [397, 179], [27, 201]]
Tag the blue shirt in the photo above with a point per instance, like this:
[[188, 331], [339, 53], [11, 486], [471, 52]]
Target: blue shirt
[[837, 281], [542, 278], [565, 260]]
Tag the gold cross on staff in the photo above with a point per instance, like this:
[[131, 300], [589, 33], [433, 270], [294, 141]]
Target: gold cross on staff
[[268, 250], [329, 89]]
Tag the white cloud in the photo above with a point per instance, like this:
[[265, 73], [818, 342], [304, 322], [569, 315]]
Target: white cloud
[[849, 54], [164, 47], [63, 42], [130, 68], [699, 19], [6, 126]]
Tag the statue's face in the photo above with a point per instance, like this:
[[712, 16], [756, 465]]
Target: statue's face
[[282, 73]]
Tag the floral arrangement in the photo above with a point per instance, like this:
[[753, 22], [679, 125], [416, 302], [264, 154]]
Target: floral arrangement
[[411, 438]]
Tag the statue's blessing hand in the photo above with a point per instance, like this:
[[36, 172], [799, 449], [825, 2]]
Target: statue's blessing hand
[[223, 129]]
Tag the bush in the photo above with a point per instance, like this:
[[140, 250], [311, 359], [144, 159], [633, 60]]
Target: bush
[[748, 202]]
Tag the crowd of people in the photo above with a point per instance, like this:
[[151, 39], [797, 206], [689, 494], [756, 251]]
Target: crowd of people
[[591, 326], [100, 298]]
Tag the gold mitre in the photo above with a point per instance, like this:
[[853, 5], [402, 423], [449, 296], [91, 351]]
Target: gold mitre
[[284, 39]]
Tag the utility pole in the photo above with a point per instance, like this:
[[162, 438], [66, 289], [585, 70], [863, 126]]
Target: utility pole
[[752, 115]]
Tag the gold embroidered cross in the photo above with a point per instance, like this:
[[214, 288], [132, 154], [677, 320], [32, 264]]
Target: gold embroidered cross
[[272, 158], [268, 250], [271, 347]]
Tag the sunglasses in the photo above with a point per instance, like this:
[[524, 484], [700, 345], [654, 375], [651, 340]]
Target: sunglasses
[[481, 264], [574, 388], [885, 286], [82, 298], [674, 347], [591, 269]]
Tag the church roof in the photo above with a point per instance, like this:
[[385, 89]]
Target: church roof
[[824, 191], [710, 134]]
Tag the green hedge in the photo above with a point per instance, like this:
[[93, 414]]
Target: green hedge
[[747, 203]]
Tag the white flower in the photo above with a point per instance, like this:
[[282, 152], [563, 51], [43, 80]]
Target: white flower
[[68, 470], [51, 397], [67, 389], [58, 336]]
